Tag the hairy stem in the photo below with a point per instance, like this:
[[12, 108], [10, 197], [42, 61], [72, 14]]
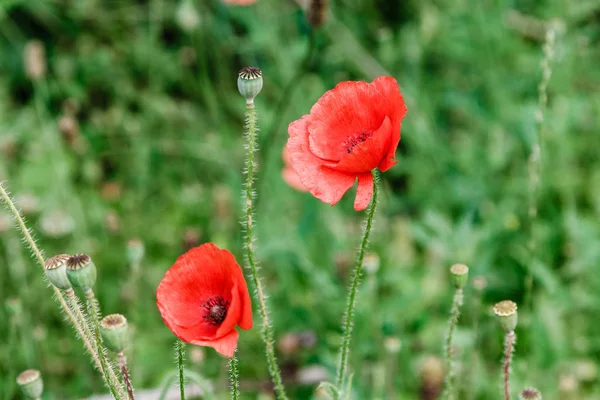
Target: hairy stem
[[509, 348], [452, 322], [83, 330], [125, 374], [78, 321], [234, 374], [267, 330], [348, 321], [180, 349], [534, 162], [110, 378]]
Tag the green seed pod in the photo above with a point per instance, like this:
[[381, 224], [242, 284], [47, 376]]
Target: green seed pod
[[530, 394], [506, 311], [56, 270], [135, 251], [250, 83], [114, 331], [31, 384], [460, 275], [81, 271]]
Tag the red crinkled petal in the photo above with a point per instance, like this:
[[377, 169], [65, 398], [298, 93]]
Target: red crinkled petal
[[396, 110], [367, 155], [351, 108], [201, 273], [225, 345], [323, 182], [364, 191]]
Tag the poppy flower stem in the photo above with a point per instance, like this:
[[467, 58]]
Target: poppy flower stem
[[179, 350], [75, 315], [110, 378], [348, 321], [509, 348], [234, 374], [125, 374], [452, 322], [267, 330]]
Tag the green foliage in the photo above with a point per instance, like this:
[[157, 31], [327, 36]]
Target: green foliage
[[158, 155]]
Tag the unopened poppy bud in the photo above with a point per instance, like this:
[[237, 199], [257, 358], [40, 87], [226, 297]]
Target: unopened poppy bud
[[135, 251], [31, 384], [81, 271], [250, 83], [506, 311], [114, 331], [530, 394], [35, 60], [56, 270], [187, 16], [460, 275], [317, 12]]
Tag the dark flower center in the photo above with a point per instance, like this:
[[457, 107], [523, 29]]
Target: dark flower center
[[355, 140], [214, 310]]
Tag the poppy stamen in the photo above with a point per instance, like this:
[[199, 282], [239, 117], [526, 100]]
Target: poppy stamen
[[355, 140], [215, 310]]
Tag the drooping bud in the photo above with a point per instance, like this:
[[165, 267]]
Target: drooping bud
[[317, 12], [506, 311], [114, 331], [250, 83], [35, 60], [56, 270], [31, 384], [460, 275], [81, 271], [530, 394]]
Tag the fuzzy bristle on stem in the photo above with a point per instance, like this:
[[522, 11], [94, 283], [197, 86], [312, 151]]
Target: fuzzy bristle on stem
[[179, 357], [78, 323], [509, 348], [452, 322], [348, 321], [248, 196], [234, 374]]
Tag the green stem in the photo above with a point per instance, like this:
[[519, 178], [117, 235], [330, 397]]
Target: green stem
[[348, 321], [234, 373], [452, 322], [180, 348], [93, 308], [82, 328], [266, 331]]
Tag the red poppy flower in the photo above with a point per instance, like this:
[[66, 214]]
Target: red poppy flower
[[289, 175], [351, 130], [203, 296]]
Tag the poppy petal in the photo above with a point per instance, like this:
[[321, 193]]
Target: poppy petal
[[324, 183], [364, 191], [367, 155], [225, 345], [351, 108], [396, 110]]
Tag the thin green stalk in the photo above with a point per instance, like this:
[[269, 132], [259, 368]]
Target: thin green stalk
[[452, 322], [180, 349], [348, 321], [234, 374], [534, 162], [83, 330], [267, 330], [93, 308], [509, 349]]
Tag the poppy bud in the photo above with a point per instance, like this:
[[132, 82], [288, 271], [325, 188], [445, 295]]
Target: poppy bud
[[81, 271], [506, 311], [317, 12], [530, 394], [31, 384], [135, 251], [35, 60], [187, 16], [250, 83], [114, 331], [56, 270], [371, 263], [460, 275]]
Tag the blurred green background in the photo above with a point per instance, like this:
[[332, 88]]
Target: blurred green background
[[133, 130]]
